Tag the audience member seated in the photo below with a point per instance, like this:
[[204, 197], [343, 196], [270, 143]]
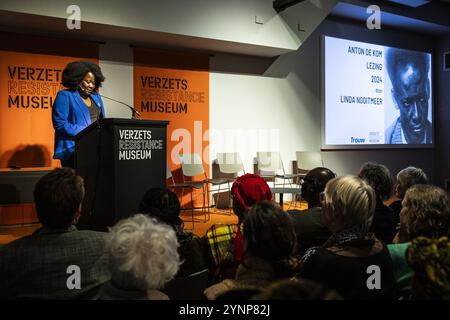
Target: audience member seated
[[425, 212], [270, 245], [344, 262], [142, 258], [308, 223], [164, 205], [406, 178], [430, 260], [296, 289], [239, 293], [57, 261], [384, 223], [224, 243]]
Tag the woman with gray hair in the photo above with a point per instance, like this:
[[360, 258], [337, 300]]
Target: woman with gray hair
[[143, 257], [406, 178], [352, 261]]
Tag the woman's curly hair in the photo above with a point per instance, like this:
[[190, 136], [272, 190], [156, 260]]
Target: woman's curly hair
[[426, 212], [75, 71]]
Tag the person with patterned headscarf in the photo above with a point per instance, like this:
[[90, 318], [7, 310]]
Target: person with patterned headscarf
[[430, 260], [225, 243]]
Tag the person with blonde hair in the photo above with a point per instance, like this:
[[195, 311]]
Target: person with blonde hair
[[352, 261], [143, 257]]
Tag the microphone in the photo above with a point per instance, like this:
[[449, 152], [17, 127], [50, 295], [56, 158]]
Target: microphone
[[135, 112]]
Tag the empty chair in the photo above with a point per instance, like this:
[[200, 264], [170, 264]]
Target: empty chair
[[185, 185], [308, 160], [192, 166], [190, 287], [230, 165], [271, 166]]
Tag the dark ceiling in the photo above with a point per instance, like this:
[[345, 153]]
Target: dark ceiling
[[425, 16], [431, 17]]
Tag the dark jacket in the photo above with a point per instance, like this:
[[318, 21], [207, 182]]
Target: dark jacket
[[309, 228], [384, 224], [192, 253], [396, 206], [36, 266], [349, 275]]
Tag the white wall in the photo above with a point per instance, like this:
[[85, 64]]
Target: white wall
[[254, 113], [278, 107], [283, 103], [116, 62], [287, 98], [230, 20]]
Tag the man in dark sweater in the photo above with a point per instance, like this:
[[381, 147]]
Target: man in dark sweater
[[379, 178], [308, 225]]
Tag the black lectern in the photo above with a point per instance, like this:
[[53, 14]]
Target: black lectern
[[119, 160]]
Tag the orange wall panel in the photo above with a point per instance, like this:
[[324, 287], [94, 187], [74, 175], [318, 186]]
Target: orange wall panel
[[174, 86], [30, 77]]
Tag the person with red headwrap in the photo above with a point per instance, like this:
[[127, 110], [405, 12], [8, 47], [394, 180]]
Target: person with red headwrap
[[225, 243]]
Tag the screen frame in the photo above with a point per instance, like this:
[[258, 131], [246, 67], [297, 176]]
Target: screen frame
[[325, 147]]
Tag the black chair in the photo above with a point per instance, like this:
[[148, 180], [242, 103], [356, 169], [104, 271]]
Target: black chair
[[190, 287]]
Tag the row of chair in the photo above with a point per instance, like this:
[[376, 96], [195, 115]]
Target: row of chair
[[269, 166]]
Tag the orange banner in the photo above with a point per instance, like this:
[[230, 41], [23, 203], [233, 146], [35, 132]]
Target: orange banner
[[174, 86], [29, 82]]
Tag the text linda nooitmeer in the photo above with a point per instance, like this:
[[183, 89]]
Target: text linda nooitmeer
[[376, 78], [137, 144]]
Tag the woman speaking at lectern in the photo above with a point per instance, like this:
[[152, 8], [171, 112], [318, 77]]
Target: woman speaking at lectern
[[76, 107]]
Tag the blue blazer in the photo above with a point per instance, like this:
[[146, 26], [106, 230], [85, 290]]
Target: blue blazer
[[70, 115]]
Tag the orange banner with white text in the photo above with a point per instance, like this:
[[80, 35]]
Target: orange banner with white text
[[30, 77], [174, 86]]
